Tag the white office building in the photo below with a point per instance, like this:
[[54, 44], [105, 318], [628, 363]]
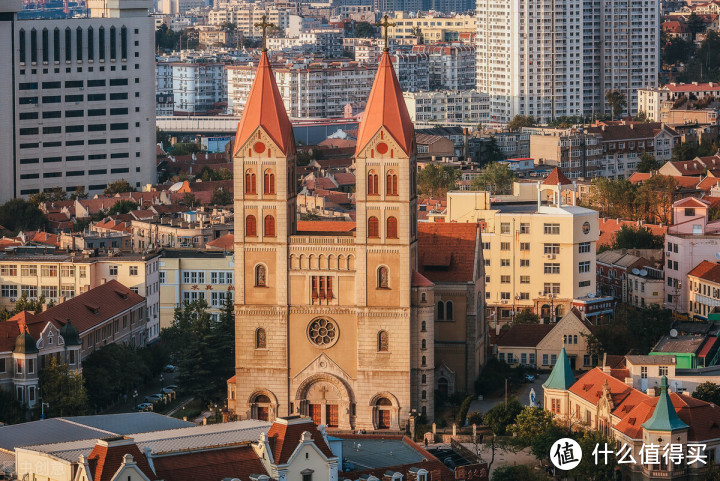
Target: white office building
[[195, 88], [78, 96], [551, 59]]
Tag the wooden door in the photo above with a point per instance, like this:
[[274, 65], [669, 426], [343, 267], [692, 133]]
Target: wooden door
[[384, 419], [263, 413], [332, 415], [316, 413]]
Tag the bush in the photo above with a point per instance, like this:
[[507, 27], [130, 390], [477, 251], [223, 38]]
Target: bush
[[475, 417], [500, 417], [462, 414]]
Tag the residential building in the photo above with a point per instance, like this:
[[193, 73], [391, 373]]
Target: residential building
[[196, 87], [448, 107], [433, 28], [321, 42], [313, 288], [577, 152], [413, 70], [568, 75], [59, 277], [538, 255], [79, 97], [646, 287], [536, 345], [189, 275], [613, 268], [602, 401], [452, 66], [594, 308], [69, 332], [651, 100], [309, 89], [245, 15], [194, 230], [176, 7], [690, 240], [691, 350], [703, 289]]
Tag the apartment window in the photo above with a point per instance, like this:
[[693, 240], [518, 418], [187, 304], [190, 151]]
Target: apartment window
[[505, 228], [524, 262], [553, 359], [113, 270], [8, 270], [504, 246], [524, 246], [162, 277], [486, 246], [584, 247], [524, 228], [662, 370], [217, 299], [584, 284], [524, 279], [551, 248], [67, 291], [524, 296], [552, 268], [504, 262], [83, 272], [9, 290], [67, 271], [505, 296], [221, 277], [551, 288], [584, 266], [504, 279], [48, 271], [551, 229], [133, 270], [29, 291], [192, 296], [643, 372], [193, 277], [49, 292], [689, 212], [28, 270]]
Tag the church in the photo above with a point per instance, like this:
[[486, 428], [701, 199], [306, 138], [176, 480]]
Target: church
[[359, 329]]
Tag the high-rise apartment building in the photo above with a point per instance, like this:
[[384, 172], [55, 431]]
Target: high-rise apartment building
[[195, 87], [79, 99], [552, 59]]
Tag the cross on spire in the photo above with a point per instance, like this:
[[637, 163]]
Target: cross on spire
[[385, 24], [264, 25]]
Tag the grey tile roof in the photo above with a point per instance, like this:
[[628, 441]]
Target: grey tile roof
[[46, 431], [378, 453], [661, 359], [129, 423]]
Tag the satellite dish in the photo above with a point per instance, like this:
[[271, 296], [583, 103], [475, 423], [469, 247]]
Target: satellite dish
[[673, 333], [591, 295], [717, 256], [643, 272], [636, 271]]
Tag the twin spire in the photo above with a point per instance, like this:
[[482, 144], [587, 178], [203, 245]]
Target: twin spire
[[385, 109]]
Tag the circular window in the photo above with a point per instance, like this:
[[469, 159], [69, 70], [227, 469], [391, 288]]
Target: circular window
[[322, 332], [382, 147], [586, 228], [259, 147]]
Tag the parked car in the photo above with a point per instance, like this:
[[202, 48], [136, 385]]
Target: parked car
[[167, 390], [144, 407], [171, 386], [528, 378], [169, 368], [153, 398]]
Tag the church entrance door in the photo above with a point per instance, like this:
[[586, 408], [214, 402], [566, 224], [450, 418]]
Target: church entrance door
[[332, 415], [263, 413], [316, 413], [384, 419]]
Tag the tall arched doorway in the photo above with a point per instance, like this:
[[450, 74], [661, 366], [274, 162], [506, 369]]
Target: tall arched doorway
[[386, 411], [326, 400], [262, 406]]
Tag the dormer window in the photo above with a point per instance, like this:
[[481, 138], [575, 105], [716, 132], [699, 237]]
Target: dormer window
[[50, 338]]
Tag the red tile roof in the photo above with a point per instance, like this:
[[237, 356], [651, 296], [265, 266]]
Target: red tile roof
[[284, 439], [692, 87], [418, 280], [556, 177], [524, 335], [265, 108], [104, 461], [386, 108], [706, 270], [225, 242], [451, 244], [708, 183], [211, 465], [639, 177], [590, 388], [609, 227]]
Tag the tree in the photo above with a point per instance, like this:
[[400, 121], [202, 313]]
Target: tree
[[497, 178], [112, 371], [364, 30], [189, 199], [18, 214], [634, 329], [501, 416], [636, 238], [185, 148], [517, 472], [79, 194], [675, 50], [526, 316], [541, 444], [520, 121], [221, 197], [122, 207], [162, 137], [648, 163], [435, 180], [63, 390], [695, 24], [530, 423], [11, 410], [492, 152], [655, 197], [50, 195], [617, 102], [708, 391], [119, 187], [588, 469], [613, 198], [25, 304]]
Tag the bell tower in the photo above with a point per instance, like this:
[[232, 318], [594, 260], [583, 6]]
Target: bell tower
[[265, 198]]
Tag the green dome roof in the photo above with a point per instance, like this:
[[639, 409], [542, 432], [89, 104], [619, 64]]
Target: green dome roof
[[70, 335], [25, 344]]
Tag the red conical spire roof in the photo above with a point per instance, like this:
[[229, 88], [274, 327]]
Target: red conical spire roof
[[265, 108], [386, 108]]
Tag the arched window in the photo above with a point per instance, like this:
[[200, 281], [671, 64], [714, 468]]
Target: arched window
[[383, 280], [23, 48], [269, 183], [391, 186], [68, 44], [260, 339], [424, 394], [269, 226], [424, 378], [91, 44], [250, 182], [574, 339], [33, 45], [56, 45], [382, 339], [113, 43], [45, 45], [423, 327], [391, 230], [372, 183], [79, 43], [564, 339], [373, 227], [101, 43], [441, 311], [260, 276], [449, 310], [424, 361], [423, 297], [423, 344], [250, 226]]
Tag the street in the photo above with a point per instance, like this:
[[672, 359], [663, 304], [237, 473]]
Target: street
[[522, 393]]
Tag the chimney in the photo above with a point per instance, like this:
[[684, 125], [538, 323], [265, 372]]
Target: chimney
[[650, 391]]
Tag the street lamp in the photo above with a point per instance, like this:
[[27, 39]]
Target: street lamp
[[42, 409], [135, 395], [162, 380]]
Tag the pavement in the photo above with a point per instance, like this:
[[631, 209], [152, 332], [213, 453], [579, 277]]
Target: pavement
[[503, 457], [522, 393], [153, 387]]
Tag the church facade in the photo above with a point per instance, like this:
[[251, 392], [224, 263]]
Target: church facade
[[339, 326]]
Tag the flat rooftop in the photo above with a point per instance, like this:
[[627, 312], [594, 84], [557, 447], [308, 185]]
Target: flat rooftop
[[680, 344], [362, 454]]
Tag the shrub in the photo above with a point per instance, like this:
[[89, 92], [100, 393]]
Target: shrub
[[462, 414], [475, 417]]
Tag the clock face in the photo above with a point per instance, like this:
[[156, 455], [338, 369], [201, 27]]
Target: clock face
[[322, 332], [586, 228]]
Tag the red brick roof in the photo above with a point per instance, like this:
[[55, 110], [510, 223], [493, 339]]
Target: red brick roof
[[418, 280], [707, 271], [639, 177], [624, 397], [447, 251], [524, 335], [211, 465], [284, 439], [609, 227], [104, 461], [556, 177], [225, 242], [692, 87]]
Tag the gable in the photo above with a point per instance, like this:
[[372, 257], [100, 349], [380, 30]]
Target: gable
[[569, 324]]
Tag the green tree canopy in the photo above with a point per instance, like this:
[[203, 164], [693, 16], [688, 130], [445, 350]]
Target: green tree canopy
[[530, 423], [119, 187], [636, 238], [112, 371], [63, 390], [617, 102], [18, 214], [526, 316], [631, 329], [708, 391], [122, 207], [496, 178], [648, 162], [221, 197], [11, 410], [520, 121], [435, 180], [518, 472], [500, 416], [364, 30]]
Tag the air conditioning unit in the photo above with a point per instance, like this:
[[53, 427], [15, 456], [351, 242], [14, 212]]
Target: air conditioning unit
[[504, 301], [551, 256]]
